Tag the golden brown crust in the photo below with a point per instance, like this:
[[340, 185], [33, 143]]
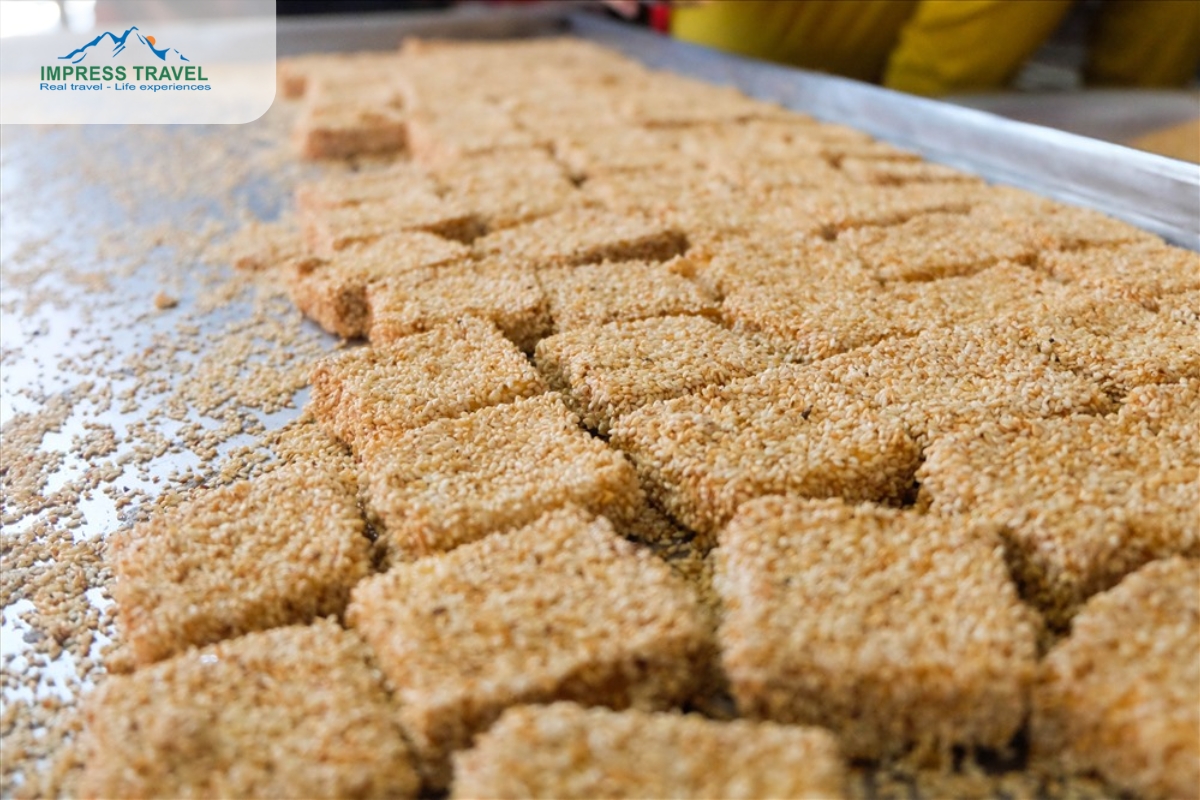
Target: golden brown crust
[[292, 712], [893, 628], [452, 370], [561, 609], [609, 370], [1121, 695], [1084, 500], [456, 480], [567, 751], [281, 549], [701, 456]]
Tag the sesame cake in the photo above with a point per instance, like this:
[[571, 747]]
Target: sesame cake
[[567, 751], [562, 609], [281, 549], [456, 480], [892, 628], [452, 370], [1083, 500], [332, 291], [292, 712], [703, 455], [505, 293], [584, 236], [1121, 695], [595, 294], [605, 371]]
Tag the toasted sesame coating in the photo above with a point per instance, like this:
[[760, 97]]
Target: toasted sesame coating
[[1143, 273], [941, 380], [280, 549], [782, 139], [292, 712], [855, 206], [1084, 500], [894, 172], [562, 609], [507, 294], [1121, 695], [567, 751], [332, 129], [584, 236], [333, 291], [800, 264], [609, 370], [590, 151], [470, 130], [595, 294], [933, 246], [1172, 409], [701, 456], [1115, 342], [817, 320], [1183, 307], [657, 190], [328, 230], [452, 370], [508, 187], [674, 100], [892, 628], [343, 189], [1070, 227], [762, 176], [456, 480]]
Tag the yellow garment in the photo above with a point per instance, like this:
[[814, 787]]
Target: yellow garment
[[934, 47], [845, 37], [969, 45], [1145, 43]]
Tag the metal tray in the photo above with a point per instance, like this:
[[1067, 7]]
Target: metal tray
[[57, 210]]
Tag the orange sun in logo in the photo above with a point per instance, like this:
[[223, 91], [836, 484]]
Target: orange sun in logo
[[150, 39]]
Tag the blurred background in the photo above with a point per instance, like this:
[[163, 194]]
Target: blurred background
[[1125, 71]]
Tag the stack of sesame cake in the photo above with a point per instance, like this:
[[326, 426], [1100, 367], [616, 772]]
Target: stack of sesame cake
[[688, 447]]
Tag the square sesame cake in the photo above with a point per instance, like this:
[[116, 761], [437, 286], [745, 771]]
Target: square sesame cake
[[576, 236], [505, 293], [280, 549], [1083, 500], [942, 380], [1141, 272], [933, 246], [333, 129], [1115, 342], [452, 370], [328, 230], [333, 291], [595, 294], [508, 187], [456, 480], [892, 628], [1121, 695], [605, 371], [568, 751], [291, 712], [562, 609], [703, 455]]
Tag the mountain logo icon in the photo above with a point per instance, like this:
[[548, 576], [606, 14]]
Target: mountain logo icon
[[119, 45]]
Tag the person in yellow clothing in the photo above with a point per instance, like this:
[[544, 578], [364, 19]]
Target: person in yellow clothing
[[935, 47]]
